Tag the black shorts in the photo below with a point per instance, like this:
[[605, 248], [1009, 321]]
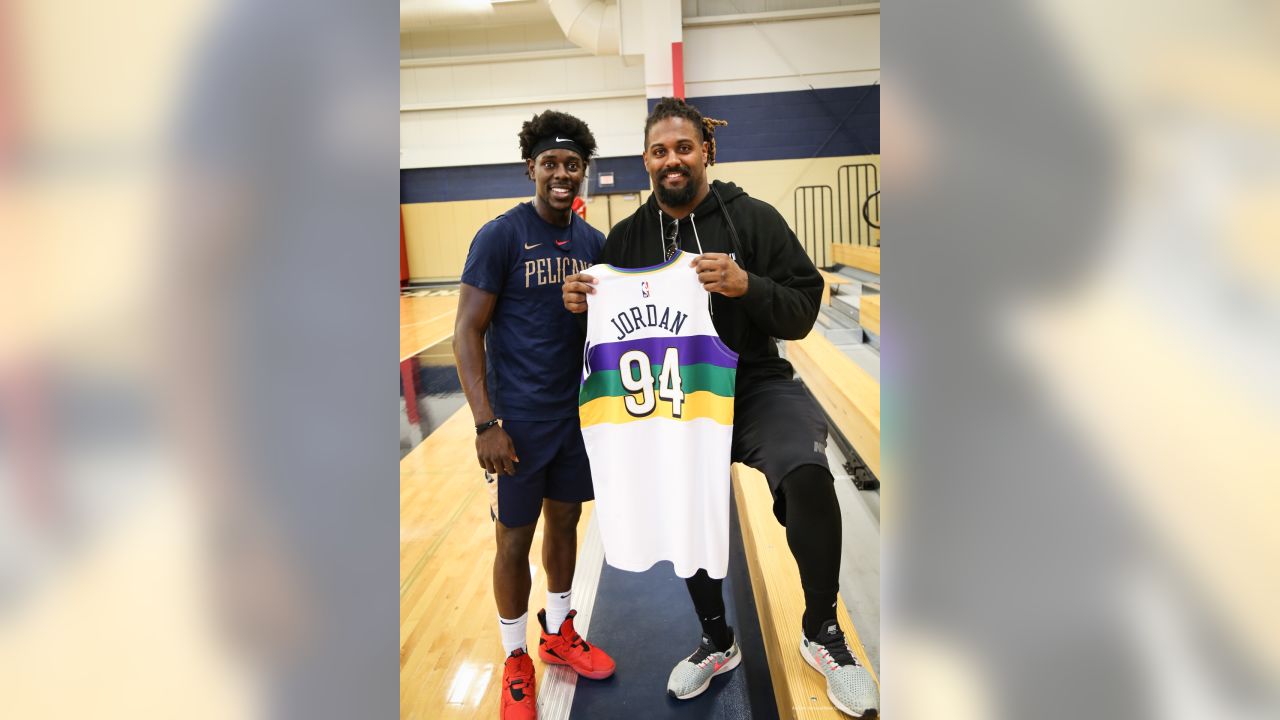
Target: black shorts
[[778, 427], [553, 464]]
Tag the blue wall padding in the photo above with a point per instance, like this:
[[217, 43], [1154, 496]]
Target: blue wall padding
[[801, 124]]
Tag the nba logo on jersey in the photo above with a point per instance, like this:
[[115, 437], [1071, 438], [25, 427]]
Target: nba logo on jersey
[[644, 289]]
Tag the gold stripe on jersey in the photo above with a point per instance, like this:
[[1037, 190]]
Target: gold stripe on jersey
[[701, 404]]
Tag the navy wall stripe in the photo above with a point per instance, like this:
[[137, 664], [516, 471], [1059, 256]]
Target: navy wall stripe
[[792, 125], [629, 174], [472, 182], [765, 126]]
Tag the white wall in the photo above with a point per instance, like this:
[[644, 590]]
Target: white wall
[[457, 42], [487, 135], [778, 56], [697, 8], [464, 92]]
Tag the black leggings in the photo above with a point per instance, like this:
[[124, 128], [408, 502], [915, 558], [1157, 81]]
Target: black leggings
[[814, 536]]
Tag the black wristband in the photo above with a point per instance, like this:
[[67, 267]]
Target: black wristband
[[485, 426]]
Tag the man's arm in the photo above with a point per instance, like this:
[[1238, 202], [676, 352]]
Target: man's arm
[[783, 302], [494, 449]]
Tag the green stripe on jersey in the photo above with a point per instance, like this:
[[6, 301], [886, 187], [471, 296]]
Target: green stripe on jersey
[[693, 378]]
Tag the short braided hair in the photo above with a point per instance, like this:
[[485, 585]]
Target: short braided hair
[[669, 107]]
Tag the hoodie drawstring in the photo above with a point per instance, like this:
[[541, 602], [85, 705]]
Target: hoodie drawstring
[[698, 240], [662, 240], [662, 243]]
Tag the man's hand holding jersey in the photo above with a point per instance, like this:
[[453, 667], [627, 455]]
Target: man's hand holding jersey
[[576, 288], [718, 273]]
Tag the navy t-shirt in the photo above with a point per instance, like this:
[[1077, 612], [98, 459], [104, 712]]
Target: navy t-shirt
[[533, 347]]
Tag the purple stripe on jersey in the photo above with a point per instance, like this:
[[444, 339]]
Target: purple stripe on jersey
[[693, 349]]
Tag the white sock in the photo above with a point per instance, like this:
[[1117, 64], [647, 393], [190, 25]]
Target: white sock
[[557, 609], [514, 633]]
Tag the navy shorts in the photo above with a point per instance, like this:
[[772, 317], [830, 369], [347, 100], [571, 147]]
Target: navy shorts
[[553, 464], [778, 427]]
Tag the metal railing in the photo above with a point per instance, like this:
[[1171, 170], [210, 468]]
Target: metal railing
[[858, 192], [866, 210], [814, 221]]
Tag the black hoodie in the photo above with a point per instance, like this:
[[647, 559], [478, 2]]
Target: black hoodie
[[783, 286]]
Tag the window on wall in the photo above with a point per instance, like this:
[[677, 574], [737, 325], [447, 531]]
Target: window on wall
[[711, 8]]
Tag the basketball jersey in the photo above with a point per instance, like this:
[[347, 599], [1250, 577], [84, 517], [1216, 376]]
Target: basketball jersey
[[656, 408]]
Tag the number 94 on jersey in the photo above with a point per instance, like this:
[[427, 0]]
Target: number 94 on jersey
[[637, 373]]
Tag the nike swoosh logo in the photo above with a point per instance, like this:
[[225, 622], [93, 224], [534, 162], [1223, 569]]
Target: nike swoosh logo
[[562, 242], [527, 246], [504, 622], [560, 139], [565, 595]]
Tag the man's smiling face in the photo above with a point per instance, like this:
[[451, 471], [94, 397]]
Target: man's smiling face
[[676, 157], [557, 176]]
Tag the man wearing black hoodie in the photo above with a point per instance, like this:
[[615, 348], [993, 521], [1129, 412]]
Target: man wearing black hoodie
[[763, 287]]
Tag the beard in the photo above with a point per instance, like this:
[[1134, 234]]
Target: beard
[[676, 197]]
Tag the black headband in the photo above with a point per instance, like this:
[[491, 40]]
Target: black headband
[[555, 142]]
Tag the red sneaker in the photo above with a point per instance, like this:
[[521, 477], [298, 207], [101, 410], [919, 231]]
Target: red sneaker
[[519, 701], [568, 648]]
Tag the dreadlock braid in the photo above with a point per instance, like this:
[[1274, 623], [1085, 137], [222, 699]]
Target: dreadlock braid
[[677, 107], [709, 132]]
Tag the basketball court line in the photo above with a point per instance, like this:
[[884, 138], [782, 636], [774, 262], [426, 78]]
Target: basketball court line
[[558, 684], [448, 526], [425, 344], [433, 318]]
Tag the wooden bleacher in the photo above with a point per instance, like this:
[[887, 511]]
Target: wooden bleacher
[[845, 390], [832, 280], [869, 313], [849, 395], [863, 257], [801, 692], [851, 398]]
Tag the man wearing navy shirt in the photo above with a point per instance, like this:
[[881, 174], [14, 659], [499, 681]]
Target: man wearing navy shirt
[[519, 355]]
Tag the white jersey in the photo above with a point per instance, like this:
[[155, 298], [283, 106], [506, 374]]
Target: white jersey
[[656, 407]]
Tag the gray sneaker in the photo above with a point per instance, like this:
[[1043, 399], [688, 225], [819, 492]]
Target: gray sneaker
[[692, 675], [849, 685]]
